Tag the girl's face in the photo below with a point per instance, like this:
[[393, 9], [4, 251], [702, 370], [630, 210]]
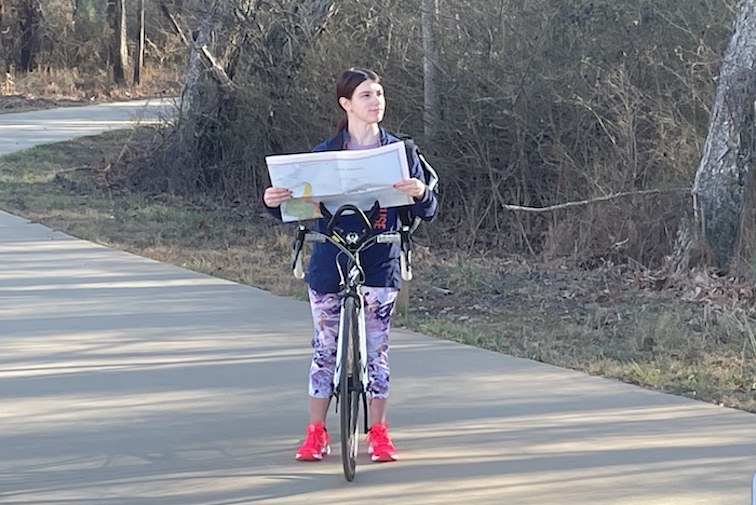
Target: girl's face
[[367, 104]]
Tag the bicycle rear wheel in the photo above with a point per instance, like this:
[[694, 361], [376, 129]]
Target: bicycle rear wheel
[[349, 386]]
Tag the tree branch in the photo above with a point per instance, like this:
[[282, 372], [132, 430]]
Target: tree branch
[[582, 203], [174, 23], [219, 73]]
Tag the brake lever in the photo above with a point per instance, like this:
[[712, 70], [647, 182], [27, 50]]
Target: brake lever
[[325, 212], [375, 211]]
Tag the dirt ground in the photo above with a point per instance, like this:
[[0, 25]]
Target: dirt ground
[[21, 103]]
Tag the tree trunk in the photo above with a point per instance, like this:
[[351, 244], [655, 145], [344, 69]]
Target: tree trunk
[[190, 97], [119, 52], [209, 96], [6, 64], [431, 102], [724, 173], [431, 106], [29, 16], [139, 56]]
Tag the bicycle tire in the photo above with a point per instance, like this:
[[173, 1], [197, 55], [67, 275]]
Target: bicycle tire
[[349, 386]]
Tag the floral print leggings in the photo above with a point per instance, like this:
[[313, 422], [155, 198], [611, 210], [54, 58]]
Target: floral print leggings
[[379, 303]]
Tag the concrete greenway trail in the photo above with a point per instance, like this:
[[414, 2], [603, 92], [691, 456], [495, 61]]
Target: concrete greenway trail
[[126, 381]]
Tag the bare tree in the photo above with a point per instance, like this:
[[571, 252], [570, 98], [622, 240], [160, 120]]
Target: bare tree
[[119, 52], [209, 11], [431, 102], [284, 43], [139, 56], [174, 22], [2, 14], [29, 17], [726, 166]]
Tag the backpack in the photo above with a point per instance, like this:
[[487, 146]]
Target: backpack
[[431, 180]]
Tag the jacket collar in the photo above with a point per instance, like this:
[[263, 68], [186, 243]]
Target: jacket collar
[[336, 143]]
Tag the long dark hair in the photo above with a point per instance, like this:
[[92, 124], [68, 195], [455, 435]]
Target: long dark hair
[[347, 83]]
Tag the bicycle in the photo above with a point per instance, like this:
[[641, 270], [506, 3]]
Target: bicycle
[[350, 379]]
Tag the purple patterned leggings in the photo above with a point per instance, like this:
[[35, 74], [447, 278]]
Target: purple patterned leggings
[[379, 303]]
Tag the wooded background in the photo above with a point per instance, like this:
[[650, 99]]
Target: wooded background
[[531, 103]]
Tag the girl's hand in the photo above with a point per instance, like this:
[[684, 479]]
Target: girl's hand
[[274, 197], [412, 187]]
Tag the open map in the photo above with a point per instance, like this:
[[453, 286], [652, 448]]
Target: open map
[[336, 178]]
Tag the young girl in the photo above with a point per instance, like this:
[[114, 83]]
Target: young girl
[[360, 95]]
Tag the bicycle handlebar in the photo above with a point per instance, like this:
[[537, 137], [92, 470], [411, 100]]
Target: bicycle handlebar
[[367, 220], [358, 242]]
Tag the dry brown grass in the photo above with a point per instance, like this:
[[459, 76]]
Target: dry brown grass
[[66, 88], [692, 336]]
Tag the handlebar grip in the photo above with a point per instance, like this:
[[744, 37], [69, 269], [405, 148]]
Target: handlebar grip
[[297, 267], [298, 270], [296, 258], [388, 238], [315, 237], [405, 264]]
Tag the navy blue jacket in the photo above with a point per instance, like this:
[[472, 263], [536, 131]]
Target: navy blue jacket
[[380, 261]]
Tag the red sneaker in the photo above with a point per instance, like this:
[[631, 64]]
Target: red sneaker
[[379, 444], [315, 444]]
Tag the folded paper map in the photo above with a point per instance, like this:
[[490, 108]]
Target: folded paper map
[[336, 178]]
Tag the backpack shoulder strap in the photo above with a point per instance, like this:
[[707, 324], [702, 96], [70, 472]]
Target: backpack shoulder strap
[[429, 174], [431, 177]]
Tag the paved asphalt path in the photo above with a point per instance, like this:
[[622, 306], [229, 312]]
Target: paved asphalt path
[[125, 381], [27, 129]]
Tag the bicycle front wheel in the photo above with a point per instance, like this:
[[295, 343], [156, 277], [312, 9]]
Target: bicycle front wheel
[[349, 386]]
